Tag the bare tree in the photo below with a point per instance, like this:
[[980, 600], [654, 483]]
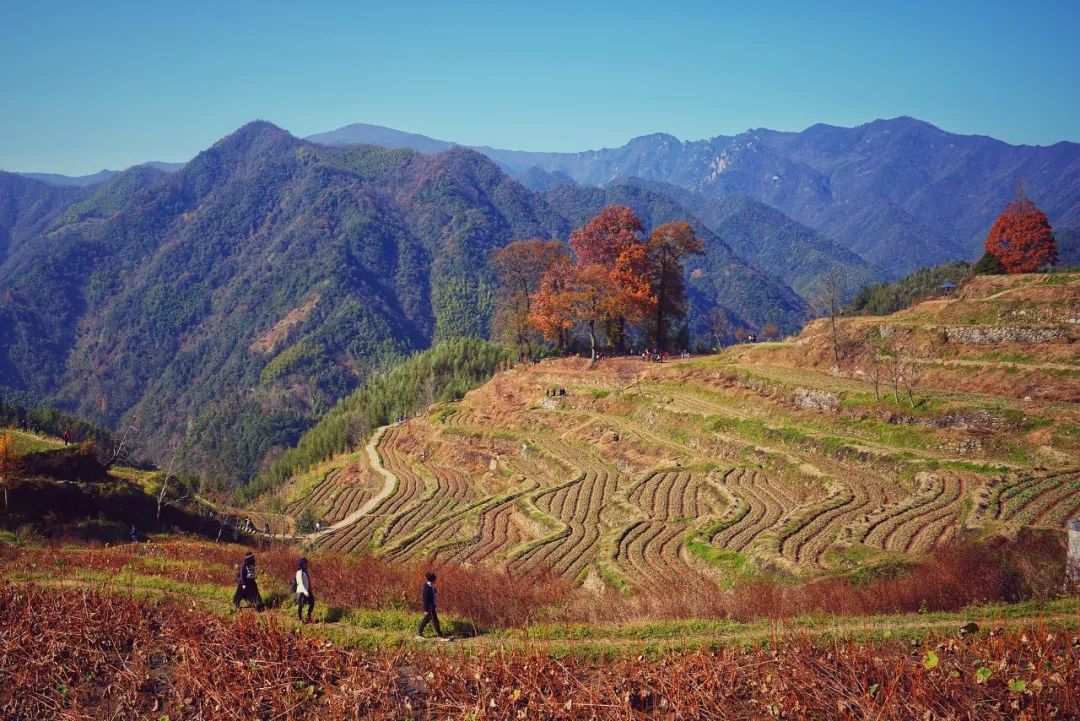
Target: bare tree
[[895, 363], [720, 326], [183, 491], [912, 375], [119, 451], [875, 371], [829, 301]]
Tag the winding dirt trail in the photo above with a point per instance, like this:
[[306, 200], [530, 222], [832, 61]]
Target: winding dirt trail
[[390, 482]]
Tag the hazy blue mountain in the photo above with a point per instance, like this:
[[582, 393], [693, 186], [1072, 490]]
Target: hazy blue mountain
[[766, 238], [99, 177], [76, 180], [362, 133], [542, 181], [901, 193]]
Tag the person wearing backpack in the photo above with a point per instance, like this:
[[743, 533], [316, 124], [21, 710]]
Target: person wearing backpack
[[302, 588], [247, 586], [430, 598]]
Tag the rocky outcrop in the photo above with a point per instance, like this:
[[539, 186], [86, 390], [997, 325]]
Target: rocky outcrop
[[975, 420], [992, 335], [815, 400]]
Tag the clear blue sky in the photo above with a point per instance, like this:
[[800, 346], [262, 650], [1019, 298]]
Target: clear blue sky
[[93, 84]]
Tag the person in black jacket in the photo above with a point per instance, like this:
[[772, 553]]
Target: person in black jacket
[[247, 587], [430, 598]]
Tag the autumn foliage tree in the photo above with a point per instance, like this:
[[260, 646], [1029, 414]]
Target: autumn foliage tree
[[1021, 237], [613, 240], [551, 311], [606, 236], [667, 246], [520, 267], [10, 464], [593, 300], [616, 278]]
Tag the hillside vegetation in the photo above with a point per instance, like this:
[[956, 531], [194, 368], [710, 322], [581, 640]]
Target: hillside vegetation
[[886, 298], [770, 458], [106, 655], [442, 373], [225, 307]]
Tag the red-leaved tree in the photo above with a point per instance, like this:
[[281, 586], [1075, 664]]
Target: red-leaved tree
[[551, 311], [520, 267], [603, 238], [1022, 239], [614, 241]]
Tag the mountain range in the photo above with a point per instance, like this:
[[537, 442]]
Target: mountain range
[[901, 193], [227, 305]]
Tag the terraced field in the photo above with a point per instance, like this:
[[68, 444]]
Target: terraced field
[[641, 474]]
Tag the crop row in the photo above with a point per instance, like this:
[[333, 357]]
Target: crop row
[[766, 509], [1048, 501], [812, 530]]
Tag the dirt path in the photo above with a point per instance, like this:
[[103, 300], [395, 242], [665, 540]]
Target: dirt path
[[390, 482], [635, 638]]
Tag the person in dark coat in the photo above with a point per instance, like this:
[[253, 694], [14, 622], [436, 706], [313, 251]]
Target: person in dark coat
[[430, 597], [247, 586]]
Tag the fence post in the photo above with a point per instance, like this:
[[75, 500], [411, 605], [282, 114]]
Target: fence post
[[1073, 561]]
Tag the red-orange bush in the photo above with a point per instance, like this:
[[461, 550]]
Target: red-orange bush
[[91, 655]]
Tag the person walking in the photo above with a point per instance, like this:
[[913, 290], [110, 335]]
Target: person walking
[[304, 595], [247, 586], [430, 597]]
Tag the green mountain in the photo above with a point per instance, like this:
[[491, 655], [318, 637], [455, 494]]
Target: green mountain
[[232, 303]]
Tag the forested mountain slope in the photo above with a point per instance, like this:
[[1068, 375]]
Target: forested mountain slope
[[719, 275], [237, 299], [767, 239], [234, 301], [27, 207]]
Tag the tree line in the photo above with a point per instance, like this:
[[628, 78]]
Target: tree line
[[609, 283]]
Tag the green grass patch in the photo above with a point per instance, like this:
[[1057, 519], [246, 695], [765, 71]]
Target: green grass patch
[[731, 564], [26, 443]]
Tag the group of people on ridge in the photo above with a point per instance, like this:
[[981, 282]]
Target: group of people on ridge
[[247, 589]]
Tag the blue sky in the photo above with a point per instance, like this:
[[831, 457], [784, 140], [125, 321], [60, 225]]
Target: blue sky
[[89, 85]]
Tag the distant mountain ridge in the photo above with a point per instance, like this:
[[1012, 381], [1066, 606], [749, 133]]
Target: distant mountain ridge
[[83, 181], [233, 302], [901, 193]]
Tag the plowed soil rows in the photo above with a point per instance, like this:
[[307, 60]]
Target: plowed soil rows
[[925, 525]]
